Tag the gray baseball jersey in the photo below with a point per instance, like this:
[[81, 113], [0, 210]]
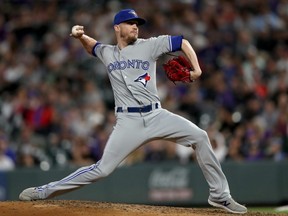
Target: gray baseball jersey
[[140, 118], [132, 70]]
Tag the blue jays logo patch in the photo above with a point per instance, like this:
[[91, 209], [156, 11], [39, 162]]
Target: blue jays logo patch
[[143, 79]]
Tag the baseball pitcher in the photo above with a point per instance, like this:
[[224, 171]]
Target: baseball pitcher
[[131, 67]]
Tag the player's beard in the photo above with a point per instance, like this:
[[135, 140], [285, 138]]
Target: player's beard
[[129, 38], [132, 40]]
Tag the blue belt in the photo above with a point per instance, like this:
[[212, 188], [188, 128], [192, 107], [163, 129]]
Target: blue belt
[[143, 109]]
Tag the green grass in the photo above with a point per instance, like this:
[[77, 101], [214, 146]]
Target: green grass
[[267, 210]]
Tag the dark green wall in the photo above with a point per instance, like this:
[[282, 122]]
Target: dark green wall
[[163, 183]]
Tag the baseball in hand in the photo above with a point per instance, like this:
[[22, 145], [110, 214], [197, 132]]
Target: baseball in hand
[[77, 31]]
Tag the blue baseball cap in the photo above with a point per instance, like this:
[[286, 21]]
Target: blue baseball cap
[[127, 15]]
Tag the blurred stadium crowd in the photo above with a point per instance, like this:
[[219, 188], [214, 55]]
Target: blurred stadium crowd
[[56, 104]]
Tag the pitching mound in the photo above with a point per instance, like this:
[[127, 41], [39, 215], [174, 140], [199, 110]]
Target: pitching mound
[[89, 208]]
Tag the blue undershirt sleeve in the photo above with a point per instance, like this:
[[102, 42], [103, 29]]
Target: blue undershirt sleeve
[[176, 42], [94, 49]]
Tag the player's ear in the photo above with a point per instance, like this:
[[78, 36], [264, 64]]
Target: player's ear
[[116, 28]]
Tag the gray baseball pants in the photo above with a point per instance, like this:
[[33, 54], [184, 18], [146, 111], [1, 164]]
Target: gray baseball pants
[[135, 129]]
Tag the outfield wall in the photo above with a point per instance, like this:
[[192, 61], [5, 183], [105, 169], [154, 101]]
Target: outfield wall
[[163, 183]]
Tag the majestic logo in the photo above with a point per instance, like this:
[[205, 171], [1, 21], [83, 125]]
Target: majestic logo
[[143, 79]]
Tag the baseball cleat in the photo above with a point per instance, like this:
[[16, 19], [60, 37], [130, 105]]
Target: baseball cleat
[[29, 194], [229, 205]]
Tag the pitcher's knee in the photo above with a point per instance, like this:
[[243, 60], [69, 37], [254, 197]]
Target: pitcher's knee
[[103, 171], [202, 136], [104, 174]]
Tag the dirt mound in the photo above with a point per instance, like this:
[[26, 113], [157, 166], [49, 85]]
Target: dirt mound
[[91, 208]]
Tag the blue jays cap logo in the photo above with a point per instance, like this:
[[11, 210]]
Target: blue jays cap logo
[[133, 13], [143, 79]]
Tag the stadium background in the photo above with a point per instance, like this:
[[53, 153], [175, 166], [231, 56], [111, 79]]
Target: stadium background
[[57, 106]]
